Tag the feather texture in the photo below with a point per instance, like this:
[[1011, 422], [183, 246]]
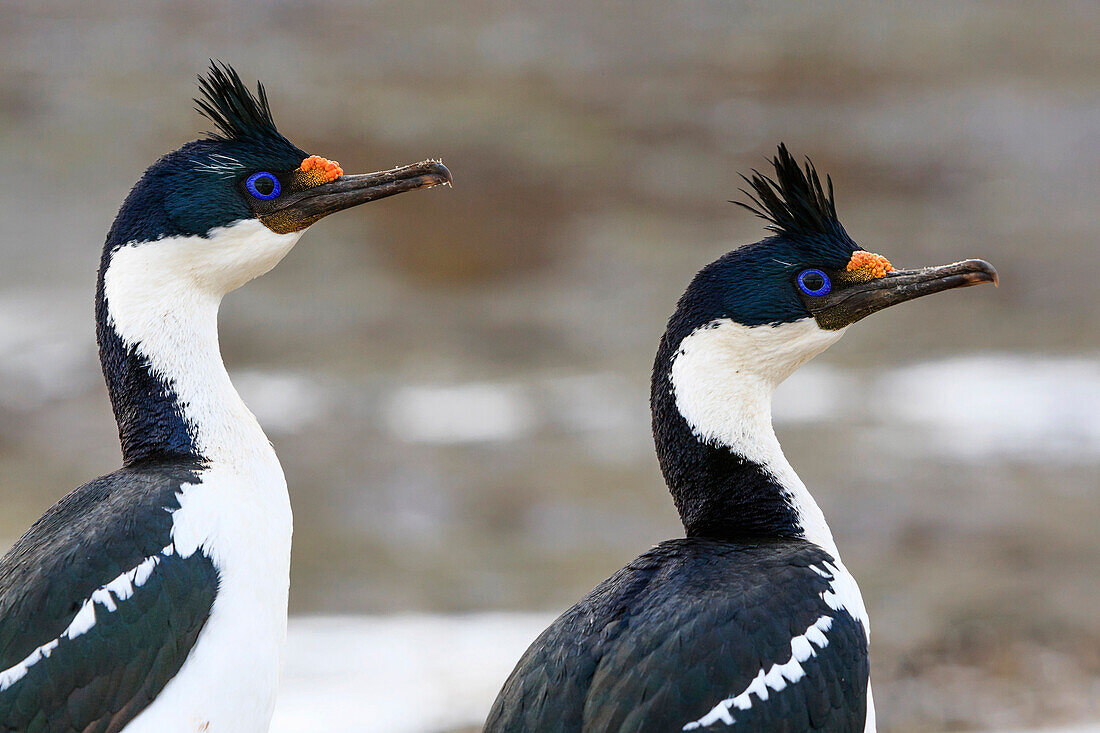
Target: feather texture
[[238, 114], [794, 202]]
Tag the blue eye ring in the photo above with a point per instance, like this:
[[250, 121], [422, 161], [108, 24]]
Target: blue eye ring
[[823, 289], [250, 184]]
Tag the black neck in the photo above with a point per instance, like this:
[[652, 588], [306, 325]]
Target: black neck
[[150, 420], [718, 493]]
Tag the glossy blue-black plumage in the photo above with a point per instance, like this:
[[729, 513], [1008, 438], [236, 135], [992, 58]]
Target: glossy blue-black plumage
[[195, 189], [683, 627], [199, 187], [756, 285], [103, 678]]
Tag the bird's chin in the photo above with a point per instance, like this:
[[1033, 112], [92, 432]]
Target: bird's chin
[[309, 205], [846, 305]]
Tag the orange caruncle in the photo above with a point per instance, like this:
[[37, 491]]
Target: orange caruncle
[[868, 265], [320, 170]]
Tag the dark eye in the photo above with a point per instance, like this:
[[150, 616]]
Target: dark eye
[[263, 185], [814, 282]]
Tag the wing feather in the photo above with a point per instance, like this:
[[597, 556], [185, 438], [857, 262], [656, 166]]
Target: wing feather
[[97, 611], [686, 626]]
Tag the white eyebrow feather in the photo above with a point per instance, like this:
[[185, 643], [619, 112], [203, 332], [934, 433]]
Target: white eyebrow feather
[[221, 165]]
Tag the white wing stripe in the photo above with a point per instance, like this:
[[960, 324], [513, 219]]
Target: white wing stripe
[[107, 596], [777, 678]]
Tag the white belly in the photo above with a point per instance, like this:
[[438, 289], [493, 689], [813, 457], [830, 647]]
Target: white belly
[[241, 520]]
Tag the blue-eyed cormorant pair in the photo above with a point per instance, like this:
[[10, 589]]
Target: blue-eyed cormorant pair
[[751, 622], [154, 599]]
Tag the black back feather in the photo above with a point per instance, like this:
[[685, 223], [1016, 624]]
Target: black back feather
[[794, 203], [238, 114]]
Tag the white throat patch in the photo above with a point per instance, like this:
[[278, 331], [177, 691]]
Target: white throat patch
[[224, 260], [162, 298], [723, 377]]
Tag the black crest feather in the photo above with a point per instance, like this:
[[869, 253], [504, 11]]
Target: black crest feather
[[237, 113], [794, 203]]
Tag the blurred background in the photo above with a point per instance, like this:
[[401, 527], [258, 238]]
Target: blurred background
[[456, 381]]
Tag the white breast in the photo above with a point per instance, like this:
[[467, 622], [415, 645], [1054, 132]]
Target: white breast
[[241, 520], [163, 298]]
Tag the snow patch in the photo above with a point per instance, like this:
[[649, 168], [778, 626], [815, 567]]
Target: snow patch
[[400, 674], [462, 413]]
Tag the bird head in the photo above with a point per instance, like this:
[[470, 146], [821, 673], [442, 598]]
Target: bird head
[[752, 317], [226, 208], [768, 307]]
